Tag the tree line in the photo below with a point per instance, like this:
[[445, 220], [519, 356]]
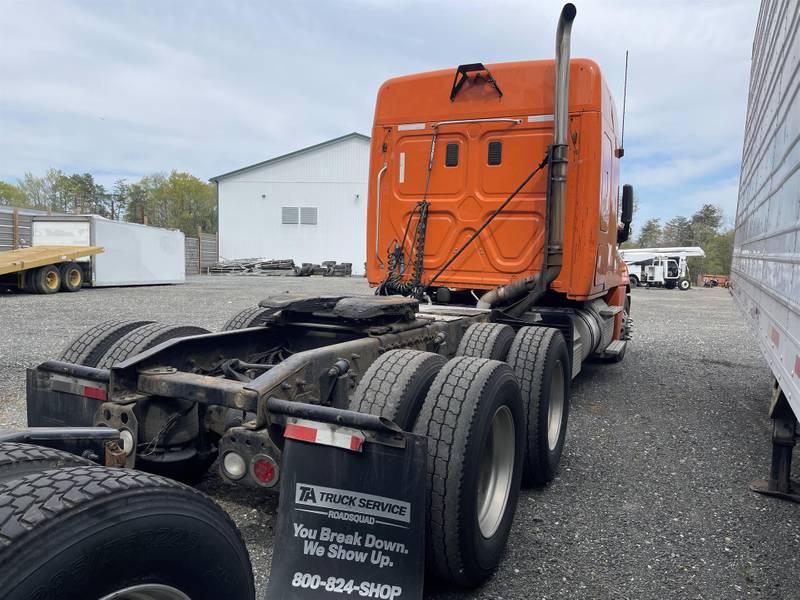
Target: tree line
[[176, 200], [705, 228]]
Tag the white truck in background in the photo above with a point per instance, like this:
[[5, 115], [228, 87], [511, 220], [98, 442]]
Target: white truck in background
[[134, 254], [765, 273], [662, 267]]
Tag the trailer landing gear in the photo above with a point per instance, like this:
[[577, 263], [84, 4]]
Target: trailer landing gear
[[784, 426]]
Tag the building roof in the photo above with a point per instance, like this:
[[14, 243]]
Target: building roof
[[335, 140]]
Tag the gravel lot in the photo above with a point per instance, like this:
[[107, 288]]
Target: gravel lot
[[652, 500]]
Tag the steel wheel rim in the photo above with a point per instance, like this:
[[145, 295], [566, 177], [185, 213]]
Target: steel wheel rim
[[51, 280], [74, 277], [555, 407], [495, 472], [147, 591]]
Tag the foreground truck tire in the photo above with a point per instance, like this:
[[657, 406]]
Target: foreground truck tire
[[541, 363], [474, 420], [395, 385], [18, 460], [486, 340], [88, 348], [92, 532]]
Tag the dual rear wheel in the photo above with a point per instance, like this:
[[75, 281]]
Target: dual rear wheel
[[539, 359], [49, 279], [494, 418]]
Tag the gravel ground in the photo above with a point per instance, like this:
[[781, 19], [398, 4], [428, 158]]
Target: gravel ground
[[652, 499]]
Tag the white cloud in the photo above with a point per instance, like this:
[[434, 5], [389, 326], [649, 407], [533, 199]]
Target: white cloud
[[131, 87]]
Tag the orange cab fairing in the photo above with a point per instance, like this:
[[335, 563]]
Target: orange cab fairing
[[465, 189]]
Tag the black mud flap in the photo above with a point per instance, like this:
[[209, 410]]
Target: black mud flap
[[351, 521]]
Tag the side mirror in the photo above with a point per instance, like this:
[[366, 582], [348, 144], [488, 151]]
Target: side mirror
[[627, 204]]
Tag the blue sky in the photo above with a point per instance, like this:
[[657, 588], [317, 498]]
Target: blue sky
[[122, 89]]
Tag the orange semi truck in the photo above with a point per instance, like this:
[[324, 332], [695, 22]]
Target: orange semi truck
[[498, 186], [410, 418]]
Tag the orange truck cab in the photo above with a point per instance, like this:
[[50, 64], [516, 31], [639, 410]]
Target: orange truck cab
[[473, 199]]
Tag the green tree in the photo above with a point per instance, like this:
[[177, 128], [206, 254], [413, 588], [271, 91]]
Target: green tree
[[650, 234], [119, 199], [178, 200], [706, 223], [33, 189], [11, 195], [719, 251], [677, 232]]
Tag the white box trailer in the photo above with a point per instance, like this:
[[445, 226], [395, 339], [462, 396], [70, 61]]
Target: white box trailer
[[134, 254], [765, 274]]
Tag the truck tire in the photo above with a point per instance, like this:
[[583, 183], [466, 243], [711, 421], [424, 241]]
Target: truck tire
[[670, 284], [91, 532], [89, 347], [18, 460], [71, 277], [634, 281], [395, 385], [540, 361], [47, 279], [684, 284], [475, 423], [249, 317], [486, 340], [143, 338]]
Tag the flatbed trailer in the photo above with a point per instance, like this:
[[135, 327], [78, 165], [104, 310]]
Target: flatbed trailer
[[45, 269]]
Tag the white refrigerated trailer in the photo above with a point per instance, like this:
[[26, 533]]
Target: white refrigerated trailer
[[765, 274], [134, 254]]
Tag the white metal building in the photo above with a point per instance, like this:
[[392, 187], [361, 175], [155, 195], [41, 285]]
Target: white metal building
[[309, 205]]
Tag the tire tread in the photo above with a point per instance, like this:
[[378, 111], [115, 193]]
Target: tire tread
[[449, 411], [383, 389], [249, 317], [89, 347], [486, 340], [143, 338]]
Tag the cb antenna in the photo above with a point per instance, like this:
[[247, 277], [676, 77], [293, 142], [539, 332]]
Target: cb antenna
[[624, 101]]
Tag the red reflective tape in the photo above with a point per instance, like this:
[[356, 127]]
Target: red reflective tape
[[96, 393], [797, 365], [776, 337], [355, 443], [299, 432]]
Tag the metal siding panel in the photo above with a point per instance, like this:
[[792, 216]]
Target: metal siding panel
[[23, 226], [250, 226], [765, 274]]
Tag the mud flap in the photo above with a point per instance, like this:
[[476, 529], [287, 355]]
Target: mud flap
[[351, 522]]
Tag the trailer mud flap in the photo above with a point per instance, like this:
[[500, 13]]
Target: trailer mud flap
[[351, 521]]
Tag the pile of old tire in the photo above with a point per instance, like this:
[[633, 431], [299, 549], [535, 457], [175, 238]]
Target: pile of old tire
[[70, 529], [334, 269]]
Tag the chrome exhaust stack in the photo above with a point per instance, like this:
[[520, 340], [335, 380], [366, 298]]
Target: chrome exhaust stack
[[558, 169], [554, 241]]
